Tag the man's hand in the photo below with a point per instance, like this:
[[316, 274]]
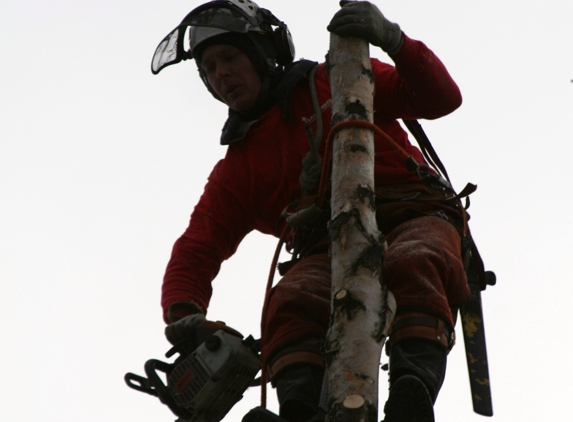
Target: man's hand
[[195, 329], [362, 19]]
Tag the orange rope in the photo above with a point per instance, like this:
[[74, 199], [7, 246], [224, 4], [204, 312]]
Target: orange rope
[[264, 313]]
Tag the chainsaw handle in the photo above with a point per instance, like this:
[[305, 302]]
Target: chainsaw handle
[[151, 368], [139, 383]]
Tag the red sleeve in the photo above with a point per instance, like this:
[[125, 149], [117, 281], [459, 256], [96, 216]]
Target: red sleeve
[[419, 87], [218, 224]]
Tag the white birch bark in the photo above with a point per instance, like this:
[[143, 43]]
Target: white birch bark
[[362, 308]]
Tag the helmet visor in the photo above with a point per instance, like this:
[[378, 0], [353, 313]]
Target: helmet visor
[[214, 14], [167, 52]]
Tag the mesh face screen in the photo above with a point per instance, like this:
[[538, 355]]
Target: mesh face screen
[[166, 52], [227, 16]]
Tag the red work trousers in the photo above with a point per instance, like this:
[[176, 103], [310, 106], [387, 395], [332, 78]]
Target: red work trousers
[[423, 269]]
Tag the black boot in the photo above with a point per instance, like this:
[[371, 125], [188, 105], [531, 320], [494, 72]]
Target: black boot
[[258, 414], [409, 401], [298, 391], [417, 371]]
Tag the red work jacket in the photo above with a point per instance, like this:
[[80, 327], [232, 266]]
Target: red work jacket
[[259, 176]]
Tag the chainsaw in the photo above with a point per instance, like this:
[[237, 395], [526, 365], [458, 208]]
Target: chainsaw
[[205, 383]]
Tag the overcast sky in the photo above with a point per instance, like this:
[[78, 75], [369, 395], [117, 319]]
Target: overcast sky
[[101, 164]]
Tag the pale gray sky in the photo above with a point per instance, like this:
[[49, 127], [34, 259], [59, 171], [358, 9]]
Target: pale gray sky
[[101, 164]]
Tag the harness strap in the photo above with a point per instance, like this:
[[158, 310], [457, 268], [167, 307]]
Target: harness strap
[[312, 162], [308, 351], [421, 325], [294, 358], [426, 147]]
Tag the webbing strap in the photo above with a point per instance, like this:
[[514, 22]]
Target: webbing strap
[[421, 325], [426, 147], [312, 162], [294, 358]]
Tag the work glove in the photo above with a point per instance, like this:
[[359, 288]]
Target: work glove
[[362, 19], [195, 329]]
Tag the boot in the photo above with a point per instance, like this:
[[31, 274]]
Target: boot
[[409, 401], [417, 372], [298, 392], [258, 414]]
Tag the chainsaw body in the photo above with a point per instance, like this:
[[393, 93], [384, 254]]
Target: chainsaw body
[[203, 385]]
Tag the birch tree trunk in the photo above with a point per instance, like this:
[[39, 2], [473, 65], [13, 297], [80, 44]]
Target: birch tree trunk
[[362, 308]]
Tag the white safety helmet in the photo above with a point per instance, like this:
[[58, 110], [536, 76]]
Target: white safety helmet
[[218, 17]]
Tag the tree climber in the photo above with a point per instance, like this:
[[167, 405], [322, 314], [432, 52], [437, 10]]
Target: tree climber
[[245, 57]]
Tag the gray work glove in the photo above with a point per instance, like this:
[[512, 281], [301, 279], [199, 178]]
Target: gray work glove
[[362, 19], [195, 329]]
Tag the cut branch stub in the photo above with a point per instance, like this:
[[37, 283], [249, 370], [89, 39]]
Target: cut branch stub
[[355, 408]]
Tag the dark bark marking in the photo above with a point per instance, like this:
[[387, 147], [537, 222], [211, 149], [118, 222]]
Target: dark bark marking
[[330, 351], [328, 64], [363, 377], [368, 73], [349, 305], [371, 259], [337, 118], [342, 219], [378, 334], [365, 194], [356, 108], [357, 148]]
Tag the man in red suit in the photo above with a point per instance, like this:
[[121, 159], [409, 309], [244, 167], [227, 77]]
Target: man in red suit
[[245, 57]]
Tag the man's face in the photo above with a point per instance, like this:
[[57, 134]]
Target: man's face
[[231, 75]]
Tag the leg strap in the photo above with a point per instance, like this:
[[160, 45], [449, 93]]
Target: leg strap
[[421, 325], [306, 352]]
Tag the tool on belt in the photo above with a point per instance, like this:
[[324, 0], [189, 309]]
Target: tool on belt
[[474, 332], [471, 311]]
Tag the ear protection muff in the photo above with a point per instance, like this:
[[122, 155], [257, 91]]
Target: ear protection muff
[[284, 45], [282, 39]]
